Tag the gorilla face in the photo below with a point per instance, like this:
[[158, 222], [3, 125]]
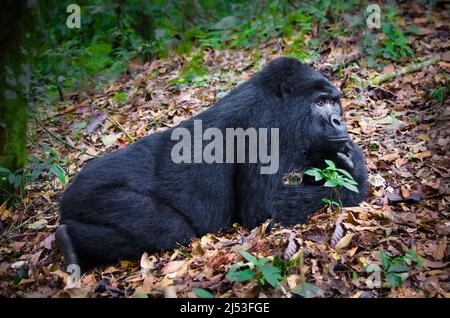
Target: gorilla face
[[326, 110], [321, 116]]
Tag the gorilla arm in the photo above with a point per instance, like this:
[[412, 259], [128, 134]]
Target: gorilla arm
[[295, 203]]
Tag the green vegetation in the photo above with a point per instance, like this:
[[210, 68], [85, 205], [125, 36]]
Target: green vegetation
[[333, 177], [258, 270], [114, 32], [392, 45], [439, 93], [395, 270], [201, 293], [36, 167]]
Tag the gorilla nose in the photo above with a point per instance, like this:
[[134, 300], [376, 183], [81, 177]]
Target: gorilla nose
[[336, 121]]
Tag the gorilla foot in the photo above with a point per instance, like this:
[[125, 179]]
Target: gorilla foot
[[65, 245]]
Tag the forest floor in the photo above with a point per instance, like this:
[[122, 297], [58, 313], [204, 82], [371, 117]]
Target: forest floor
[[395, 244]]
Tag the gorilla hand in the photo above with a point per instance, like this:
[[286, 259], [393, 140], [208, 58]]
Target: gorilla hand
[[345, 157]]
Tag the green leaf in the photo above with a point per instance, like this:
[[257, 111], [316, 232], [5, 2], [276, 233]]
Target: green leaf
[[393, 280], [314, 173], [4, 170], [11, 178], [18, 181], [331, 183], [308, 290], [240, 276], [201, 293], [271, 273], [262, 261], [336, 204], [351, 187], [59, 172], [385, 259], [350, 181], [330, 164], [249, 257], [346, 173], [398, 268]]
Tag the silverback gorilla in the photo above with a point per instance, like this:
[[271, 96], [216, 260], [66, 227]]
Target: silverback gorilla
[[137, 199]]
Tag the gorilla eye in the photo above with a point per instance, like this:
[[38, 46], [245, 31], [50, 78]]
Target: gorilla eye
[[321, 101]]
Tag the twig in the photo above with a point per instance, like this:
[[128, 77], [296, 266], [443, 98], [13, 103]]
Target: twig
[[12, 228], [118, 125], [70, 109], [404, 70], [65, 143]]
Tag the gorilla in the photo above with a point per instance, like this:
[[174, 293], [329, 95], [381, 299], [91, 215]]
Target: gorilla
[[138, 199]]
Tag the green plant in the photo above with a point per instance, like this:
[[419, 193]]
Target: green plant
[[333, 177], [395, 270], [47, 166], [201, 293], [392, 44], [256, 269], [439, 93], [396, 43], [120, 98], [285, 265]]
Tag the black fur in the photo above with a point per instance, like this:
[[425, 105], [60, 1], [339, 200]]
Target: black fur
[[137, 199]]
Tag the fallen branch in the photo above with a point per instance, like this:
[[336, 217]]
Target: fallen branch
[[375, 81], [63, 141], [118, 125]]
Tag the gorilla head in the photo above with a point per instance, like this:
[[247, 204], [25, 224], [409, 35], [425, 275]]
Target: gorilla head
[[311, 112]]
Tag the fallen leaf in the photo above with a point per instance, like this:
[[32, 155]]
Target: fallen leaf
[[172, 267], [439, 252], [170, 292], [147, 263], [291, 249], [40, 224], [431, 264], [110, 139], [343, 242], [390, 157], [422, 155]]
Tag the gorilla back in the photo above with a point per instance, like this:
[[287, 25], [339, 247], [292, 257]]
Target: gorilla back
[[138, 199]]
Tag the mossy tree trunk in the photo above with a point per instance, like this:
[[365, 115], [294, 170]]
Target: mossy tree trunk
[[15, 76]]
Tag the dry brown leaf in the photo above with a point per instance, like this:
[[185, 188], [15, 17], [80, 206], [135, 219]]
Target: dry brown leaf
[[343, 242], [390, 157], [197, 249], [422, 155], [439, 252], [172, 267]]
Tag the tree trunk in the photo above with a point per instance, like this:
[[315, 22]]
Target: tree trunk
[[15, 73]]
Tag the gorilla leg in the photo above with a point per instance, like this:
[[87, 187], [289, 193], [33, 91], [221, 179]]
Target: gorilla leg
[[122, 229]]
